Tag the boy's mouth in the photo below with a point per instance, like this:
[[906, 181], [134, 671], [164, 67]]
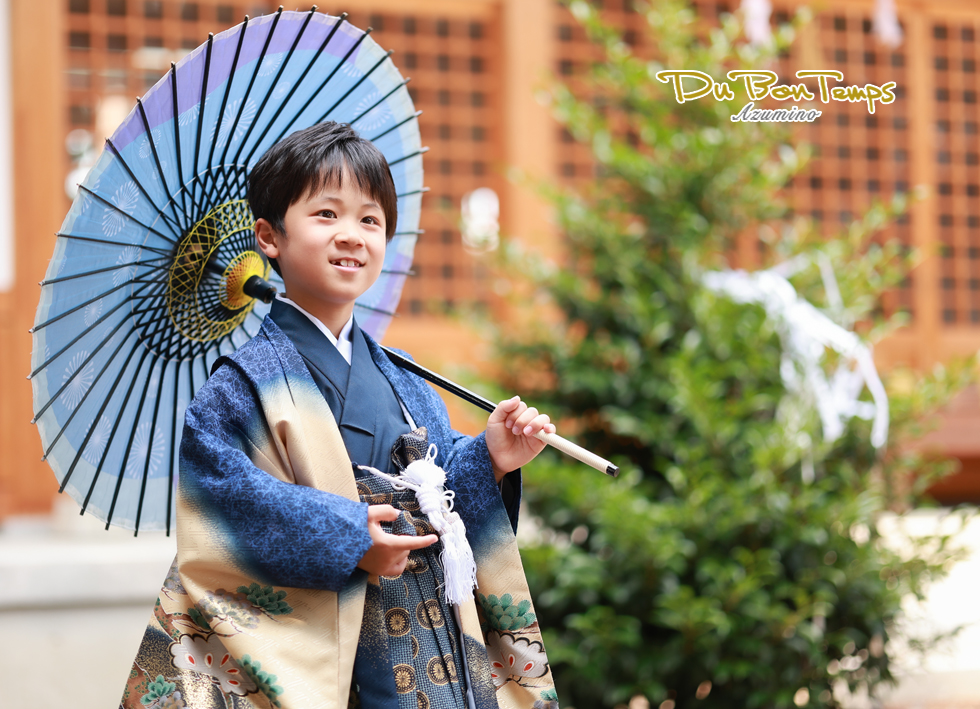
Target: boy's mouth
[[347, 263]]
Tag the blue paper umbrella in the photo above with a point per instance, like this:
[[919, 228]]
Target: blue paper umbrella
[[145, 288]]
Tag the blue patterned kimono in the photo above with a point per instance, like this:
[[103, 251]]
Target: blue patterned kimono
[[264, 605]]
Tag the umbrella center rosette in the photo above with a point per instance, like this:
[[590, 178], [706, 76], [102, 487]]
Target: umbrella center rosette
[[204, 300], [145, 288]]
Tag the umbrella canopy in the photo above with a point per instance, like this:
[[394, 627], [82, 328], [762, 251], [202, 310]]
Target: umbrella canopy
[[144, 291]]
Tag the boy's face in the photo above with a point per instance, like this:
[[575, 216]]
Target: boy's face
[[332, 251]]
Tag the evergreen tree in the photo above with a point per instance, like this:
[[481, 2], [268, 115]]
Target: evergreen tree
[[736, 561]]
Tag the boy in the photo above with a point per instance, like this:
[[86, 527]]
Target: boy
[[301, 581]]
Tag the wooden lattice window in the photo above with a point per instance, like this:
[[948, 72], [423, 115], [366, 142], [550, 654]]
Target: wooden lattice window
[[107, 43], [957, 153], [122, 47], [455, 69], [574, 55], [858, 157]]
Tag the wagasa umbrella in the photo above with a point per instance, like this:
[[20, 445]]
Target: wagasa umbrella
[[146, 286]]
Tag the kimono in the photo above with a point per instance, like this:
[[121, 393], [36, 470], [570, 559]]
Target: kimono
[[264, 605]]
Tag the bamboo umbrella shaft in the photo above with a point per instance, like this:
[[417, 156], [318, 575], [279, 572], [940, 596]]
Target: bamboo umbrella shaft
[[552, 439], [578, 452]]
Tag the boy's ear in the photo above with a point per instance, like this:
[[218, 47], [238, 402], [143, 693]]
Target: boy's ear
[[267, 238]]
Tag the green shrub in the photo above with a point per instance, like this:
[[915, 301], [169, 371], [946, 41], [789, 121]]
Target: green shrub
[[735, 562]]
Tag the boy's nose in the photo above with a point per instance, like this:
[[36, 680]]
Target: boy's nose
[[348, 235]]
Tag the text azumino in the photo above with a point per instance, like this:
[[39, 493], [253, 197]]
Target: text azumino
[[760, 83]]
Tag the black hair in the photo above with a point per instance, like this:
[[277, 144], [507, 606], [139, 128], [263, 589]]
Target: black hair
[[308, 160]]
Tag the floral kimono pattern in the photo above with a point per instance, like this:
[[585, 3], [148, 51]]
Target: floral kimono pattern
[[264, 604]]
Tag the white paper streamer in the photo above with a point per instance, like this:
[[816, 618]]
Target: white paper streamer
[[806, 332], [480, 220], [756, 14], [428, 481], [886, 26]]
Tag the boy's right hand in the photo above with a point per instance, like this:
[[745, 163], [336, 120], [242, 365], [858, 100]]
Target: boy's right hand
[[388, 556]]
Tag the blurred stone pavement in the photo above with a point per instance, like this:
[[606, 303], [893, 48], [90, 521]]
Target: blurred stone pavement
[[74, 600]]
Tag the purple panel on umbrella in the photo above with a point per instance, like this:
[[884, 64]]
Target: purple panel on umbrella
[[190, 74], [341, 42], [223, 49], [190, 70], [283, 39], [156, 102], [159, 108]]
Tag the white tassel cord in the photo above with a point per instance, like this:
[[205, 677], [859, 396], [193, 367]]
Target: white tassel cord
[[428, 481]]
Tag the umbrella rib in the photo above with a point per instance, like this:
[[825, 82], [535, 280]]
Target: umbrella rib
[[88, 302], [223, 108], [67, 423], [208, 304], [189, 190], [105, 404], [79, 237], [176, 129], [61, 279], [82, 334], [411, 232], [400, 123], [203, 359], [376, 310], [420, 151], [127, 214], [299, 81], [78, 337], [157, 314], [358, 83], [222, 194], [244, 239], [398, 273], [379, 101], [142, 189], [326, 81], [149, 449], [248, 90], [77, 371], [173, 446], [265, 101], [129, 443], [234, 67], [88, 436], [202, 103], [156, 155], [160, 313], [190, 372], [409, 194], [156, 319]]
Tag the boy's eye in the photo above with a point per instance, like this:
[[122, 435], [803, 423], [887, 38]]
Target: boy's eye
[[329, 213], [371, 220]]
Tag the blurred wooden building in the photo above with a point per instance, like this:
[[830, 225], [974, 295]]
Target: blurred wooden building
[[75, 67]]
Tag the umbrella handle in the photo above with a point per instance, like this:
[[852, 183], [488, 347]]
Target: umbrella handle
[[578, 452], [552, 439]]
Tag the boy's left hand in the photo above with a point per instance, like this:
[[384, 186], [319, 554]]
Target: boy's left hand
[[510, 435]]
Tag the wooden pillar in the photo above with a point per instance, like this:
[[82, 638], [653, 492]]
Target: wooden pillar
[[921, 98], [38, 122], [528, 48]]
